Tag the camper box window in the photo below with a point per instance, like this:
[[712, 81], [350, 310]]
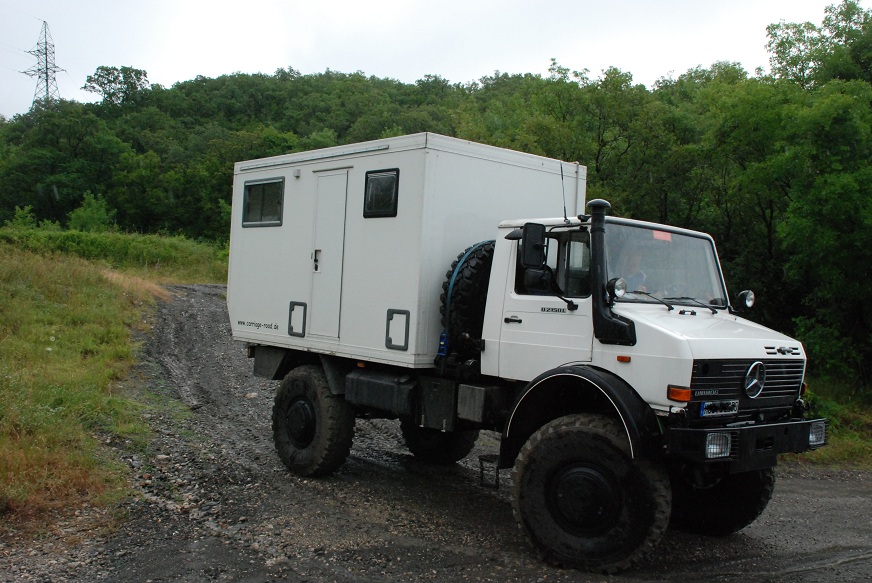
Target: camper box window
[[380, 194], [262, 206]]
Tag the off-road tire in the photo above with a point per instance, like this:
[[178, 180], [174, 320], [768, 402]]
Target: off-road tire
[[312, 428], [468, 298], [582, 501], [437, 447], [725, 507]]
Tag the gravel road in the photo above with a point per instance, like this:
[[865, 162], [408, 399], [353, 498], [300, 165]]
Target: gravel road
[[216, 504]]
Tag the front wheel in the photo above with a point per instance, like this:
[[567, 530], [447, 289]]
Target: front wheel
[[312, 428], [582, 501]]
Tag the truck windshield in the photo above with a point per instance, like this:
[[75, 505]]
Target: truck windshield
[[663, 264]]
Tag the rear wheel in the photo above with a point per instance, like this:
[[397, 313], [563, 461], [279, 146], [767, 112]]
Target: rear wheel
[[312, 428], [582, 501], [437, 447], [718, 506]]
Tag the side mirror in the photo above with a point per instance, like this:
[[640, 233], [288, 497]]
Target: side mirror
[[533, 248], [746, 299]]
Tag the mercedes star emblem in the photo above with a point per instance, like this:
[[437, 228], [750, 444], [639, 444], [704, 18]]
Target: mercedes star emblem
[[755, 378]]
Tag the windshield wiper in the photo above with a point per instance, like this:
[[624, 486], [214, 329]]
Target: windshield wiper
[[695, 301], [653, 297]]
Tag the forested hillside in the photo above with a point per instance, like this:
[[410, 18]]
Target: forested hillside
[[775, 166]]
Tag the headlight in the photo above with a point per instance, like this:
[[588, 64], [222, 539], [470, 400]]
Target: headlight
[[817, 433], [617, 287], [747, 299], [717, 445]]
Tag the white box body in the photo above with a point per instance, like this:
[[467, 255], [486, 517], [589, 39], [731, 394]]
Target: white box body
[[374, 292]]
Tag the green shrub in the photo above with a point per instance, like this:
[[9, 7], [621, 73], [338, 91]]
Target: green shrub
[[94, 216], [23, 218]]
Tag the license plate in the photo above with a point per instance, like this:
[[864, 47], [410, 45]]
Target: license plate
[[716, 408]]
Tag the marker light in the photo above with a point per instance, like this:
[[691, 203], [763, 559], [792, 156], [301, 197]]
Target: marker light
[[682, 394]]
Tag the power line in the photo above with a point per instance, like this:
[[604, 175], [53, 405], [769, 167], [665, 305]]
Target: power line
[[45, 69], [14, 8]]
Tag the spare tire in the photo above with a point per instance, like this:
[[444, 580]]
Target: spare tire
[[464, 296]]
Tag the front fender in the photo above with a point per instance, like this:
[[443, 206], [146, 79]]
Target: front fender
[[579, 389]]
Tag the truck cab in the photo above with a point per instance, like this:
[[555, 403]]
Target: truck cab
[[645, 304]]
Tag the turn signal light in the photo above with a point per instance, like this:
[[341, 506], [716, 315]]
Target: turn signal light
[[682, 394]]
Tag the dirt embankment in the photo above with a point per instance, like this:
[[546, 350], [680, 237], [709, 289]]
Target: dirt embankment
[[217, 505]]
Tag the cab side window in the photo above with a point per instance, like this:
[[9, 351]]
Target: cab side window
[[567, 268], [537, 281], [573, 270]]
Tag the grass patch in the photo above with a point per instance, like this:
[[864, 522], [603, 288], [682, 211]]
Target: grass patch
[[65, 347], [849, 411], [136, 285], [71, 304], [156, 258]]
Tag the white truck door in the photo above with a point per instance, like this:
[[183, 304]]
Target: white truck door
[[539, 331], [327, 253]]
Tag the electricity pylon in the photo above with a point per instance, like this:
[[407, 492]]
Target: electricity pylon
[[45, 69]]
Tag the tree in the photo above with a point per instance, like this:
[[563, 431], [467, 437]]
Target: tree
[[828, 229], [840, 48], [498, 110], [93, 216], [794, 51], [57, 153], [115, 85]]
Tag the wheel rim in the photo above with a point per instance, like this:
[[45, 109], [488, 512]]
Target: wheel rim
[[584, 501], [300, 422]]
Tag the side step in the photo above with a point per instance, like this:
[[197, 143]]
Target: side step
[[488, 465]]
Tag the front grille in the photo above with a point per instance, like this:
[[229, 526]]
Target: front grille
[[723, 379]]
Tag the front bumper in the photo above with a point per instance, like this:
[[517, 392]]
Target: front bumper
[[748, 447]]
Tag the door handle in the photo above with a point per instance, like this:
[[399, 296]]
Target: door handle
[[512, 320], [316, 256]]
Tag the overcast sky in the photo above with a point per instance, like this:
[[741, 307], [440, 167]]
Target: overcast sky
[[460, 40]]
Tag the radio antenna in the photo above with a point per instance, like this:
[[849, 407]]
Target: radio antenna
[[563, 192]]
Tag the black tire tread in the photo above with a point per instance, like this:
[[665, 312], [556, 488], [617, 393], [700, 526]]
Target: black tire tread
[[468, 299], [335, 433], [655, 475], [731, 505]]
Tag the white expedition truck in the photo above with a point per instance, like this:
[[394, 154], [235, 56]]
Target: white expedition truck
[[627, 391]]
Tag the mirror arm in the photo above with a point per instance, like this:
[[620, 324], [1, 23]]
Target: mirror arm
[[570, 305]]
